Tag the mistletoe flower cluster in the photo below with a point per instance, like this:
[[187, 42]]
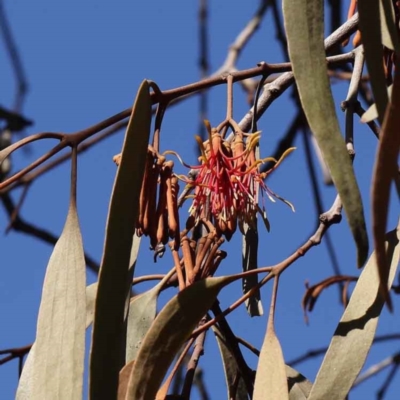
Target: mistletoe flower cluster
[[228, 181]]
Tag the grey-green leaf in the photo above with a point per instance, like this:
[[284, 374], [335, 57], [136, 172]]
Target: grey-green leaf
[[230, 369], [142, 311], [370, 28], [271, 380], [109, 327], [354, 335], [57, 371], [249, 262], [299, 385], [305, 29], [24, 392], [169, 331]]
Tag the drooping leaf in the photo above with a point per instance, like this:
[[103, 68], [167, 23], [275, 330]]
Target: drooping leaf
[[299, 385], [57, 370], [171, 328], [354, 335], [304, 23], [385, 171], [388, 25], [109, 328], [271, 380], [249, 262], [142, 311], [372, 112], [234, 384], [370, 28]]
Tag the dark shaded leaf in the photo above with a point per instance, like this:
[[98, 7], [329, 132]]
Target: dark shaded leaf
[[249, 262], [57, 370], [385, 171], [299, 385], [388, 25], [234, 382], [370, 28], [109, 327], [354, 335], [304, 22], [169, 331]]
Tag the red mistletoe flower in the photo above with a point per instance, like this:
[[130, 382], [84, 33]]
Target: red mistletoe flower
[[228, 181]]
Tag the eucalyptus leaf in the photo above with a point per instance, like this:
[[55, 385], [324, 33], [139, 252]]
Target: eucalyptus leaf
[[169, 331], [109, 327], [304, 23], [142, 311], [385, 172], [24, 389], [299, 385], [57, 370], [230, 369], [370, 28], [271, 380], [354, 335]]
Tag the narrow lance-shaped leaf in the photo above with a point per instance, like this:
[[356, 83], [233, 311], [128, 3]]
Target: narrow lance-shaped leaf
[[304, 23], [57, 371], [109, 328], [354, 335], [169, 331], [370, 28], [385, 171], [271, 380]]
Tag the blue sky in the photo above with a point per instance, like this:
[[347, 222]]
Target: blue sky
[[84, 62]]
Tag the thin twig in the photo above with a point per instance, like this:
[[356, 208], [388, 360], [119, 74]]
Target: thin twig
[[12, 49], [375, 369], [18, 352], [321, 351], [275, 89], [198, 351]]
